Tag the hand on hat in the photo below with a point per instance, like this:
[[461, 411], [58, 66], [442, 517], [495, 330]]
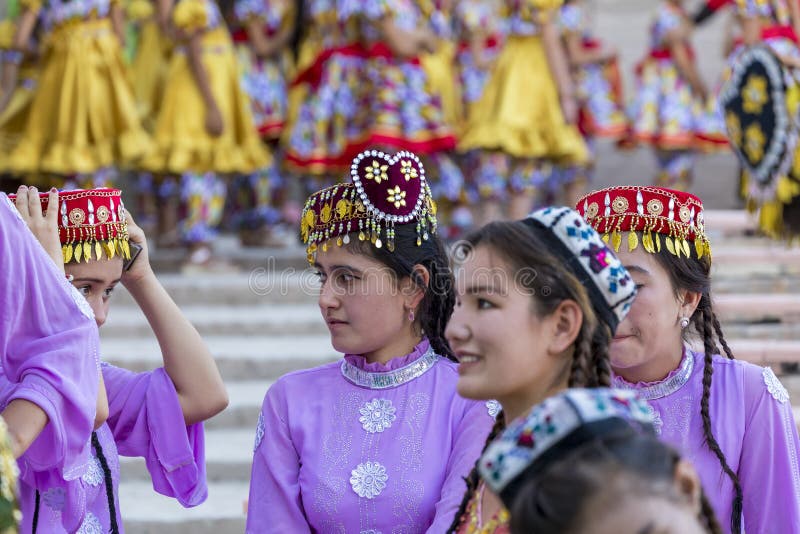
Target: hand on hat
[[141, 266], [44, 227]]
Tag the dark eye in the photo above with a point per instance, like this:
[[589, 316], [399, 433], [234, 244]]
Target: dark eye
[[108, 292], [639, 286], [85, 290], [484, 304], [346, 278]]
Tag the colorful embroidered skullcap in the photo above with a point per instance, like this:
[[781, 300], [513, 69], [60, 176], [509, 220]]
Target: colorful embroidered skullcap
[[385, 191], [572, 240], [91, 224], [555, 427], [653, 211]]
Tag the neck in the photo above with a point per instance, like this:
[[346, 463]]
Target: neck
[[517, 405], [400, 347], [655, 369]]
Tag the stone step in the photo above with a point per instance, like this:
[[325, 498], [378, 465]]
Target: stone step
[[245, 398], [229, 456], [238, 358], [146, 512], [296, 319]]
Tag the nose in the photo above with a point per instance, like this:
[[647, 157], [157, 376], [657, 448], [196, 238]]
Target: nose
[[100, 311], [327, 297], [457, 330]]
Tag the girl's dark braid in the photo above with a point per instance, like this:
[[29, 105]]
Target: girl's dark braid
[[704, 316], [437, 306], [707, 516], [600, 356], [582, 370], [473, 478], [109, 483], [720, 336]]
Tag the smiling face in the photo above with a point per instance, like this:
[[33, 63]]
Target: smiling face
[[499, 339], [651, 333], [96, 281], [363, 304]]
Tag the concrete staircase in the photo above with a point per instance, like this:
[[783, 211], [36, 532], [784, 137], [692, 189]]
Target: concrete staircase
[[264, 322]]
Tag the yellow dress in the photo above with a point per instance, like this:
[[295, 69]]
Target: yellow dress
[[83, 117], [519, 112], [151, 63], [14, 118], [182, 142], [9, 472]]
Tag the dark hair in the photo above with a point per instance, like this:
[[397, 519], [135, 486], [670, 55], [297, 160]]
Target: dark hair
[[694, 274], [557, 496], [550, 282], [298, 30], [437, 305]]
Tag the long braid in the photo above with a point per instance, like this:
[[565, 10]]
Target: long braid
[[437, 306], [473, 478], [720, 336], [600, 356], [582, 371], [706, 327]]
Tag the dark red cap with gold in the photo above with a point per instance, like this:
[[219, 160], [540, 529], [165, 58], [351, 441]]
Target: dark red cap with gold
[[91, 224], [651, 211], [385, 191]]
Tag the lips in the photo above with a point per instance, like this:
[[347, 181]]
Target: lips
[[334, 322]]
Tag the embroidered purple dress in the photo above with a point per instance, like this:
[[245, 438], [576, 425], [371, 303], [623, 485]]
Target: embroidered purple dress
[[752, 420], [365, 448], [145, 419], [49, 356]]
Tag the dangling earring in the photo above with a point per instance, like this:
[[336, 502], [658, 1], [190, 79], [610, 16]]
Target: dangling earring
[[684, 323], [411, 316]]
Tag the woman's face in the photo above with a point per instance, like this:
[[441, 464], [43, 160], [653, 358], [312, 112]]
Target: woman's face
[[500, 342], [652, 328], [362, 303], [96, 280]]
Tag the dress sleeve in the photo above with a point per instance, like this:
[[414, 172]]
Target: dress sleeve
[[768, 468], [48, 352], [139, 10], [570, 18], [146, 419], [753, 8], [470, 437], [275, 504], [191, 15]]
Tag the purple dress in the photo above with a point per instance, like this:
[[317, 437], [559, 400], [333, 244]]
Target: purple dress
[[353, 447], [752, 420], [145, 419], [49, 356]]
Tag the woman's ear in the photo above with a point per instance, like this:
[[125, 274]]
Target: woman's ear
[[689, 301], [415, 286], [566, 323], [688, 483]]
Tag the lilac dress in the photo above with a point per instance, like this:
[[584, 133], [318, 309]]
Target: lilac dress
[[752, 420], [145, 419], [353, 447], [49, 356]]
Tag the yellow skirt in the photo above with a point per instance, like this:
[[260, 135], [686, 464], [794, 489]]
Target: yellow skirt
[[15, 117], [442, 81], [182, 143], [520, 112], [83, 116], [149, 69]]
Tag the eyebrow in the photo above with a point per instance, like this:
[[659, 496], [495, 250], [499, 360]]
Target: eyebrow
[[483, 288], [337, 268], [637, 269], [96, 280]]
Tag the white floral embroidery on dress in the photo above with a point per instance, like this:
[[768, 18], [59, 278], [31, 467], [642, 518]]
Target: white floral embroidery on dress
[[370, 531], [774, 386], [493, 407], [377, 415], [94, 472], [259, 431], [90, 525], [657, 421], [368, 479]]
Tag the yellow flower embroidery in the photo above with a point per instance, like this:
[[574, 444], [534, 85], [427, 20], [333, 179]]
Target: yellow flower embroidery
[[754, 94], [377, 172], [754, 142], [396, 196], [734, 127], [408, 170]]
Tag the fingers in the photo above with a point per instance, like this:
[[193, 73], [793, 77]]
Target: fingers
[[34, 203], [22, 202], [52, 207]]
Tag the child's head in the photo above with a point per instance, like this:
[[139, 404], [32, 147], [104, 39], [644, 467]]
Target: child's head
[[385, 277], [587, 460], [539, 301]]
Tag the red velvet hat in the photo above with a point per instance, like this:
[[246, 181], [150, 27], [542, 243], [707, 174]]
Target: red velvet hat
[[91, 223], [385, 191], [651, 211]]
